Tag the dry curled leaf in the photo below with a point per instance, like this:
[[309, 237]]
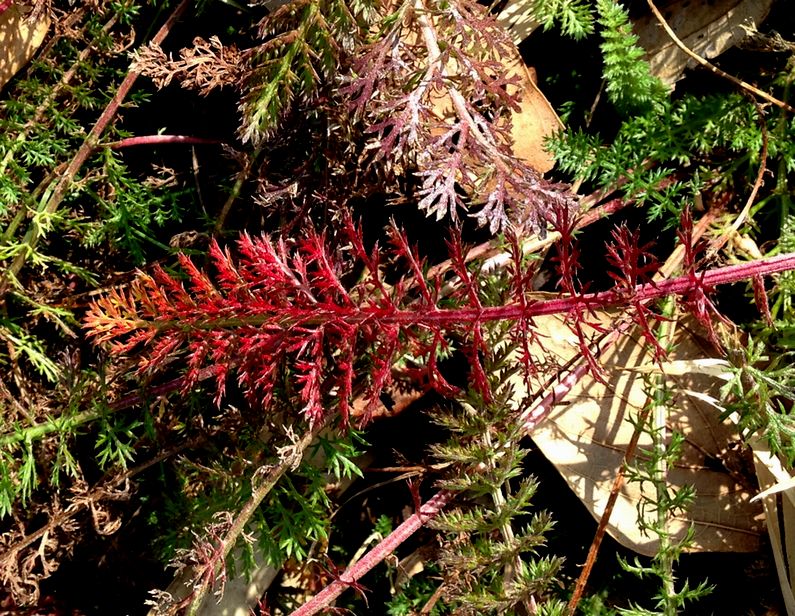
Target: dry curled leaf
[[707, 28], [206, 66], [586, 439], [20, 37]]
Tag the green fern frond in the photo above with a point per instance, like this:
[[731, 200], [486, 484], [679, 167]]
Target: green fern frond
[[575, 17], [309, 37], [630, 84]]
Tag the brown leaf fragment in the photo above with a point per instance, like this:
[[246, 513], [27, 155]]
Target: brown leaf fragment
[[20, 37], [205, 67], [707, 28], [586, 440], [517, 18], [535, 121]]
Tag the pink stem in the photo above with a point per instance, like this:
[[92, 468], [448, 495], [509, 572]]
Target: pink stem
[[432, 316], [681, 285], [435, 504], [157, 140], [356, 571]]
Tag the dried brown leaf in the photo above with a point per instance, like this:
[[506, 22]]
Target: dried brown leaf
[[20, 37], [586, 440], [205, 67], [707, 28]]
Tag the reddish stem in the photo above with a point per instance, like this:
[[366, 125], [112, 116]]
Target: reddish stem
[[157, 140], [58, 192], [681, 286], [433, 506], [356, 571], [646, 292], [539, 411]]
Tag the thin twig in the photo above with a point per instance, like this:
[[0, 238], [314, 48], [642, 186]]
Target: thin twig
[[355, 572], [430, 603], [604, 520], [706, 64], [242, 518], [242, 176], [719, 243], [157, 140], [671, 264], [56, 193]]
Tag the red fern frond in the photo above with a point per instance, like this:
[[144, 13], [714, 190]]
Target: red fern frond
[[283, 321]]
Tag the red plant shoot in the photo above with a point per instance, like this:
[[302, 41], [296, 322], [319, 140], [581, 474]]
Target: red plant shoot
[[280, 318]]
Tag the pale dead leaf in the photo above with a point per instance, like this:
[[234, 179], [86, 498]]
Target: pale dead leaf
[[781, 486], [410, 566], [534, 122], [586, 439], [517, 19], [780, 516], [707, 28], [19, 40], [709, 366]]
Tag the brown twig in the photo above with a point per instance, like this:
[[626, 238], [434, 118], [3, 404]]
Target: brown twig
[[706, 64], [719, 243], [430, 603], [601, 529], [671, 264], [56, 193]]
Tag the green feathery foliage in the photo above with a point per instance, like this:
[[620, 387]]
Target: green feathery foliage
[[718, 138], [131, 213], [761, 392], [575, 17], [305, 42], [491, 562], [630, 85]]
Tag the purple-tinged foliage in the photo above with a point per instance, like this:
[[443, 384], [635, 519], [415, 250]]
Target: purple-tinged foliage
[[434, 91]]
